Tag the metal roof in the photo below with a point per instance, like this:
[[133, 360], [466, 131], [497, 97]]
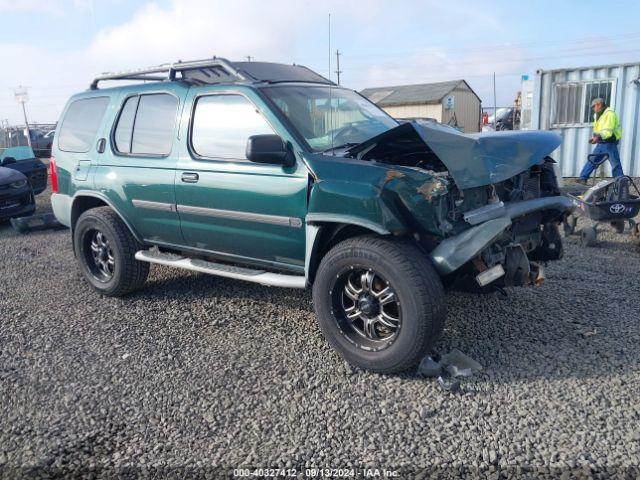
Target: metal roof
[[540, 71], [412, 94]]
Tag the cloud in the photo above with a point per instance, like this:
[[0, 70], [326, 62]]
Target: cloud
[[280, 30], [202, 28], [440, 64]]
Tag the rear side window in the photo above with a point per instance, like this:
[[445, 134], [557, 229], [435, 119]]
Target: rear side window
[[80, 124], [223, 123], [145, 125], [125, 125]]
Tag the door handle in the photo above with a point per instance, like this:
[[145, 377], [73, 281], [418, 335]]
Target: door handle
[[100, 146], [190, 177]]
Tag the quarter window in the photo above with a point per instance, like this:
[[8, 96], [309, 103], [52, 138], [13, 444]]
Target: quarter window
[[125, 125], [223, 123], [81, 123], [145, 125]]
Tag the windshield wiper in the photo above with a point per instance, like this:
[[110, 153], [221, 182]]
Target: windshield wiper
[[338, 147]]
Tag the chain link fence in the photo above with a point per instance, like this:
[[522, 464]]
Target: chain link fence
[[15, 136]]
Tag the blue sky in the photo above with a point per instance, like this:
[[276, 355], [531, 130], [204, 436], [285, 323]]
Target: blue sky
[[55, 47]]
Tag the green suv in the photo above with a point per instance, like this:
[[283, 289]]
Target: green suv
[[272, 174]]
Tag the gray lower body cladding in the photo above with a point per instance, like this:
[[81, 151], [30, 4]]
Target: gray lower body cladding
[[452, 253]]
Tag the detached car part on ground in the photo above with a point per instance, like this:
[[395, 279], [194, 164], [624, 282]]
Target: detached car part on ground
[[16, 196], [378, 218]]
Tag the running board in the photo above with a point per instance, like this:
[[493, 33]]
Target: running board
[[228, 271]]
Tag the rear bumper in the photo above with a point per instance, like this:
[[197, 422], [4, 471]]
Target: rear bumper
[[488, 224], [61, 206]]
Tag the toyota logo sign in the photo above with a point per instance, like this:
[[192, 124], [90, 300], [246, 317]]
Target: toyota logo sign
[[617, 208]]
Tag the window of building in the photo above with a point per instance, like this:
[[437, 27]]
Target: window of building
[[145, 125], [572, 101], [223, 123], [81, 123], [593, 91]]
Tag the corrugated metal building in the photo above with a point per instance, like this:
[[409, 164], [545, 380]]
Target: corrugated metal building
[[562, 103], [452, 102]]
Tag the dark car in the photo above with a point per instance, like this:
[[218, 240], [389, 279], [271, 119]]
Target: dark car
[[41, 143], [16, 196], [23, 160]]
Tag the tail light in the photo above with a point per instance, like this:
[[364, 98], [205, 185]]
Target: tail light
[[54, 175]]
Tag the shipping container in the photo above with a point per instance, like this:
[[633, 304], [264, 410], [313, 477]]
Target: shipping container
[[562, 103]]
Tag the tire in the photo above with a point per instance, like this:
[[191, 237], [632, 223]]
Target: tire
[[113, 271], [589, 236], [418, 305]]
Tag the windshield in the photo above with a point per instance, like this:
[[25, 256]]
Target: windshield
[[502, 114], [330, 119]]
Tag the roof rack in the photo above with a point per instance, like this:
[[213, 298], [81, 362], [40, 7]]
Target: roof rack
[[213, 70]]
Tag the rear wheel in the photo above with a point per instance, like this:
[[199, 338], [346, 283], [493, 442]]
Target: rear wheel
[[105, 249], [379, 303]]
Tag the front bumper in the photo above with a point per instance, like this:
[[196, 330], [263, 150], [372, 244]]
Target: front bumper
[[489, 223], [16, 203]]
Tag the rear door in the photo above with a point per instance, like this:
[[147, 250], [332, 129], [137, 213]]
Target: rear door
[[227, 204], [137, 169]]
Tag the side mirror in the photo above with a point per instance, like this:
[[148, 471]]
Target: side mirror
[[269, 149], [8, 161]]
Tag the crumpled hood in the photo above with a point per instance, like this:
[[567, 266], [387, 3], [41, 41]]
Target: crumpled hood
[[472, 160]]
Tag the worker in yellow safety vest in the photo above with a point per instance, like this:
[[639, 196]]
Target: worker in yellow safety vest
[[606, 135]]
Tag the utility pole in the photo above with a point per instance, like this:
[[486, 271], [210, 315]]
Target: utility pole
[[22, 95], [495, 106], [249, 57], [338, 71]]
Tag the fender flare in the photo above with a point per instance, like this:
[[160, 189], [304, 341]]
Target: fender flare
[[103, 198], [316, 222], [313, 218]]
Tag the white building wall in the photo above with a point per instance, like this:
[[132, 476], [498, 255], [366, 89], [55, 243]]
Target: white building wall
[[466, 109], [416, 111]]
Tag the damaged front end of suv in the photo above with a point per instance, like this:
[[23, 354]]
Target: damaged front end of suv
[[485, 207]]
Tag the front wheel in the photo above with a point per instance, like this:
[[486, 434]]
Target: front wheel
[[379, 303], [105, 249]]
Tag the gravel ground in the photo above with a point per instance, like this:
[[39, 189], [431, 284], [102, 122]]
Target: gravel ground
[[196, 374]]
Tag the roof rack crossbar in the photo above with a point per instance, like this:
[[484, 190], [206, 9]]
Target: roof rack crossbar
[[171, 69]]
